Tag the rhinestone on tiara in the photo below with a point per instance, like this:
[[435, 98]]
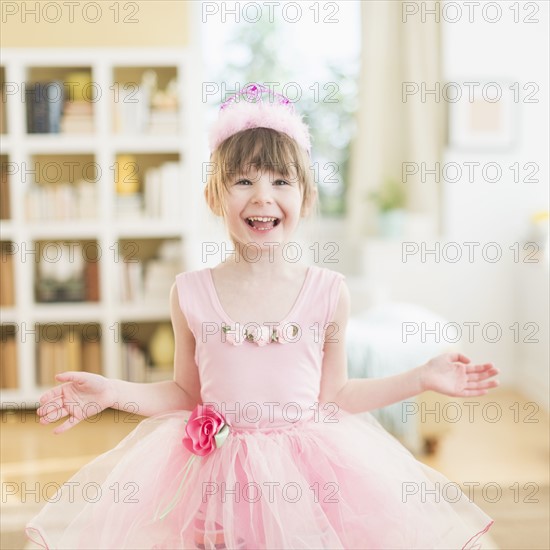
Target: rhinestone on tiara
[[256, 106], [255, 93]]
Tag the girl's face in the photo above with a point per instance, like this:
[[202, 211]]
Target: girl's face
[[263, 194]]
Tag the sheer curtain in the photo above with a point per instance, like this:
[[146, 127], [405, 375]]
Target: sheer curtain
[[398, 51]]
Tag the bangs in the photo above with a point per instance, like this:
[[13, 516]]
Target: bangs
[[262, 149], [258, 150]]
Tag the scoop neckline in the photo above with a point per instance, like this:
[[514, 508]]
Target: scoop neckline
[[287, 317]]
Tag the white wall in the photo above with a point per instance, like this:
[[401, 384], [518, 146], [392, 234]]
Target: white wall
[[500, 212], [503, 292], [501, 51]]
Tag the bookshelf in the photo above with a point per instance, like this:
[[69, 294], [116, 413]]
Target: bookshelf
[[99, 182]]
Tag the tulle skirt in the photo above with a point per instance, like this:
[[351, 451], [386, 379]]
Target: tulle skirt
[[336, 483]]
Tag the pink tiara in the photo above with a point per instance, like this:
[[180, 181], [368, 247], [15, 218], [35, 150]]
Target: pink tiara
[[255, 106]]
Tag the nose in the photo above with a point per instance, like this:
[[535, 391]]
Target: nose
[[262, 194], [262, 200]]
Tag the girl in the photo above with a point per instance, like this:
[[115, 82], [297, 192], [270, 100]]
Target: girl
[[255, 443]]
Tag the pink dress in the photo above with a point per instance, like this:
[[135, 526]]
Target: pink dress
[[291, 474]]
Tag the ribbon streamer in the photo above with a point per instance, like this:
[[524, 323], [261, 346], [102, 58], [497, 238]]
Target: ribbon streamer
[[177, 496], [219, 440], [221, 436]]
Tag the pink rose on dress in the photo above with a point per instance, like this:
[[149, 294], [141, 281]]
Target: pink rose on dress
[[232, 336], [205, 430], [281, 333], [278, 335], [261, 335]]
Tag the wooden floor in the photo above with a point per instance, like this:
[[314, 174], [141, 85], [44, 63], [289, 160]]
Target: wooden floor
[[505, 458]]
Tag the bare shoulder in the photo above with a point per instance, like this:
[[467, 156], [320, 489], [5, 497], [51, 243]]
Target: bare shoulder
[[174, 295], [344, 297], [343, 306], [178, 317]]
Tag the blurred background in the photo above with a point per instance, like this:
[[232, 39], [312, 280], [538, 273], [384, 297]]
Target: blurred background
[[430, 152]]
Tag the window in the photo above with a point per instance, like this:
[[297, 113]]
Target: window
[[309, 51]]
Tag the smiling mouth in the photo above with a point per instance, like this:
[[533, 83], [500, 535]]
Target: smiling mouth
[[263, 223]]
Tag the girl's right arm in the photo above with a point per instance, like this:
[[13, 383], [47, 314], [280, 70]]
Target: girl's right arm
[[85, 394]]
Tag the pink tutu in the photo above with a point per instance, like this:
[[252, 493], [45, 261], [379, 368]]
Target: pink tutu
[[297, 476], [340, 482]]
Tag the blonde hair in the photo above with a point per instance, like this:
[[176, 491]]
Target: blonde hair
[[263, 149]]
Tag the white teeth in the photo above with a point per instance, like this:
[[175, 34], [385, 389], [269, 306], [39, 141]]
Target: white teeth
[[258, 219]]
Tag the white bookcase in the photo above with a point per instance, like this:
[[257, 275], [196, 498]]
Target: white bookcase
[[112, 70]]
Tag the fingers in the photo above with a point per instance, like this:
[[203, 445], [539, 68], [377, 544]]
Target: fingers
[[67, 425], [53, 405], [56, 393], [486, 371], [50, 405], [51, 412], [55, 411], [482, 368], [51, 395], [459, 358]]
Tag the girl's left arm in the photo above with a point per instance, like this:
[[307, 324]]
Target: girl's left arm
[[450, 374]]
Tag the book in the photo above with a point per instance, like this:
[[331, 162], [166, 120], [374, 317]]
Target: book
[[70, 351], [7, 290], [163, 121], [131, 281], [129, 206], [44, 106], [45, 364], [61, 201], [8, 364], [162, 191], [91, 274], [36, 109], [158, 279], [3, 125], [4, 193], [132, 116], [78, 117], [133, 362], [91, 356]]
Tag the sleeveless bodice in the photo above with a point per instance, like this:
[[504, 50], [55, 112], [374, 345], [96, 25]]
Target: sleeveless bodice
[[257, 385]]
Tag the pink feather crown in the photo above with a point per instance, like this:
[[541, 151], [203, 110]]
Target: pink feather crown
[[256, 106]]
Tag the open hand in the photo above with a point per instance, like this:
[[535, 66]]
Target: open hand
[[82, 395], [453, 374]]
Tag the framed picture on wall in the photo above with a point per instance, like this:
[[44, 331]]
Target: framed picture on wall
[[485, 116]]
